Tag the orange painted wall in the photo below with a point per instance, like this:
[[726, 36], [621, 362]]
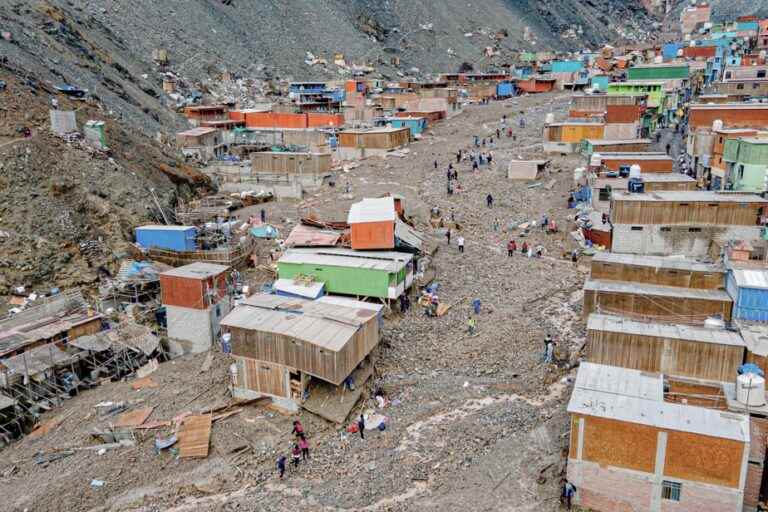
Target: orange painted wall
[[322, 120], [275, 120], [373, 235], [703, 459], [732, 118]]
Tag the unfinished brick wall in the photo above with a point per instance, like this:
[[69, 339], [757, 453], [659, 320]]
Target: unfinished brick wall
[[652, 240]]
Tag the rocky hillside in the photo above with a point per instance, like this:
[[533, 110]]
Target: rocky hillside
[[106, 46]]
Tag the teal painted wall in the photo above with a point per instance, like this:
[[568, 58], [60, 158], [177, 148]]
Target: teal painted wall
[[658, 73], [749, 178]]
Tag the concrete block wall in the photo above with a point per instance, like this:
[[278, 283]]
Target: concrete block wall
[[652, 240], [610, 489]]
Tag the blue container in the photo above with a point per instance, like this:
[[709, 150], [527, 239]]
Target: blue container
[[505, 89], [600, 83], [669, 50], [749, 303], [174, 238], [416, 124], [567, 66]]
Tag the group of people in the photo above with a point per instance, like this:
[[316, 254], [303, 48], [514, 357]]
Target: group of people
[[525, 249], [299, 452], [459, 240]]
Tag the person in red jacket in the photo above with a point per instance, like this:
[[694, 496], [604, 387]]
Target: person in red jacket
[[511, 248]]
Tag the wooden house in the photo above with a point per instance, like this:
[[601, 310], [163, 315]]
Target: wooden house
[[632, 448], [599, 145], [672, 222], [372, 223], [353, 144], [380, 274], [678, 350], [733, 115], [286, 163], [198, 114], [604, 187], [536, 85], [202, 143], [280, 344], [657, 270], [649, 162], [567, 137], [654, 302]]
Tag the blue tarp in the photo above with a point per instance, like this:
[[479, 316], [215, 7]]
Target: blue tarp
[[751, 368], [264, 231]]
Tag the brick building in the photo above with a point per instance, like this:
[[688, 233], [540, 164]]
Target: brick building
[[632, 449]]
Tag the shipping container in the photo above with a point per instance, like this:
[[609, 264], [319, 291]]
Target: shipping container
[[749, 290], [175, 238], [372, 223]]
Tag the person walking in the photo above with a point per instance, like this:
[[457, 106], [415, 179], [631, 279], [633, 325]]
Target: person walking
[[361, 426], [263, 215], [298, 429], [460, 242], [550, 357], [569, 491], [448, 236], [304, 446], [296, 455], [435, 164], [471, 325], [496, 224], [511, 248], [544, 222], [458, 157], [475, 166], [490, 158], [281, 466], [524, 248], [489, 200]]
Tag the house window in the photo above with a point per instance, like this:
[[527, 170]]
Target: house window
[[694, 230], [637, 228], [755, 86], [666, 229], [682, 204], [728, 74], [739, 87], [671, 490], [761, 73]]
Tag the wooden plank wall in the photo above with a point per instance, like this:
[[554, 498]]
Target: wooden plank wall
[[284, 350], [664, 212], [659, 276], [290, 163], [261, 376], [651, 308]]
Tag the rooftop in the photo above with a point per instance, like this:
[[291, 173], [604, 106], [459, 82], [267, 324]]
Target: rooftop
[[729, 106], [637, 156], [161, 227], [655, 290], [657, 262], [197, 270], [634, 396], [601, 142], [689, 196], [327, 324], [388, 261], [197, 132], [618, 324], [380, 209], [751, 278]]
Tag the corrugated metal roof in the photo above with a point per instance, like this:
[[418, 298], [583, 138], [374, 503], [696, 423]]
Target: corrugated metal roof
[[379, 260], [600, 142], [728, 106], [310, 236], [158, 227], [197, 270], [690, 196], [637, 397], [618, 324], [645, 155], [751, 278], [37, 360], [328, 325], [381, 209], [6, 401], [660, 291], [310, 291], [657, 262], [756, 339], [407, 235], [197, 132]]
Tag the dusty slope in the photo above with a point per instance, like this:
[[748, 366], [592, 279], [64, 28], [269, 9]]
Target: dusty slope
[[106, 46], [57, 195]]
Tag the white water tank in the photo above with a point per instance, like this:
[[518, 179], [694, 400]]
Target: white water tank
[[658, 59], [750, 390], [549, 119], [714, 323], [717, 124], [680, 52], [578, 174], [634, 171], [596, 160]]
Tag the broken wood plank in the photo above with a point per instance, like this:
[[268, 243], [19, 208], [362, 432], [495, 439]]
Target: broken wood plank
[[226, 414], [195, 436], [154, 424], [133, 418], [145, 383]]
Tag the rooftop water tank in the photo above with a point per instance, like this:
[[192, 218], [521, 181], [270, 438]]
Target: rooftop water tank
[[549, 119], [634, 171], [578, 173], [717, 124], [658, 59], [750, 390], [596, 160], [680, 52]]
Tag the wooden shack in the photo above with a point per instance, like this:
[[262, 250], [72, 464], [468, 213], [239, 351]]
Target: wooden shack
[[649, 162], [657, 270], [603, 188], [290, 163], [595, 145], [655, 303], [196, 286], [281, 344], [699, 207], [526, 169], [372, 142], [677, 350]]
